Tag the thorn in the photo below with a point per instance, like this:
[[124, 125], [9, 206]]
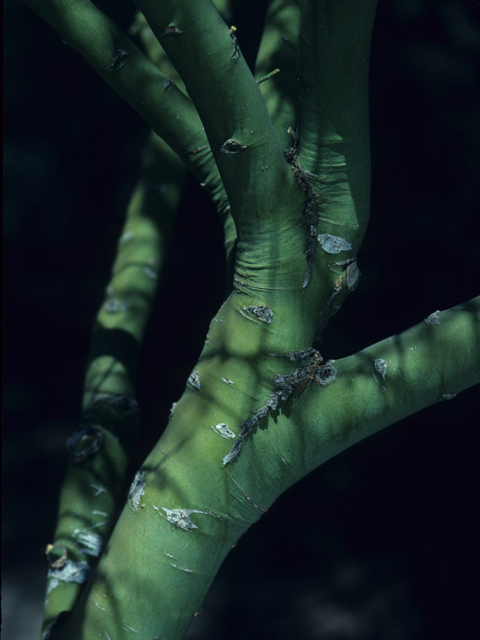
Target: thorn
[[268, 76]]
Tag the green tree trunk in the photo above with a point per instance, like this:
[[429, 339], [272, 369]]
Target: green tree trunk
[[287, 164]]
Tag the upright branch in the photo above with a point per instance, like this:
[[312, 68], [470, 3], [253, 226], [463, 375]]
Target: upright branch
[[226, 95]]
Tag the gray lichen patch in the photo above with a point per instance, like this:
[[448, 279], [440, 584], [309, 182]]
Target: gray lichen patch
[[194, 380], [77, 572], [180, 517], [433, 318], [380, 366], [232, 147], [137, 490], [172, 409], [226, 380], [223, 430], [92, 544], [262, 312], [353, 275], [333, 244], [449, 396]]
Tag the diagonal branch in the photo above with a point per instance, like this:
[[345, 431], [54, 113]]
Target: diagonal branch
[[206, 54], [430, 362], [131, 74]]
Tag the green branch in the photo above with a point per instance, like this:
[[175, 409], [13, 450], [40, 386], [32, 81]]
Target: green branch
[[134, 77], [278, 49], [186, 510], [333, 57], [94, 487], [228, 99]]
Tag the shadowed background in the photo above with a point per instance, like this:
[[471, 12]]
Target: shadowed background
[[381, 542]]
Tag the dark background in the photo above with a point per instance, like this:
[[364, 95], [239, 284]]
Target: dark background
[[381, 542]]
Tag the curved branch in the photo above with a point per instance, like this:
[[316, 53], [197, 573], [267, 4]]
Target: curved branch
[[131, 74]]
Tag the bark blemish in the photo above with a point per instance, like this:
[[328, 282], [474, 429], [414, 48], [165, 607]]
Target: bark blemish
[[194, 380], [236, 48], [92, 543], [179, 517], [118, 60], [98, 489], [326, 374], [177, 566], [226, 380], [433, 318], [380, 366], [137, 490], [116, 306], [353, 275], [449, 396], [77, 572], [232, 147], [289, 383], [223, 430], [85, 442], [333, 244], [56, 555], [171, 30], [262, 312]]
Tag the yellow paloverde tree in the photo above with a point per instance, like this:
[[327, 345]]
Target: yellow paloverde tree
[[285, 158]]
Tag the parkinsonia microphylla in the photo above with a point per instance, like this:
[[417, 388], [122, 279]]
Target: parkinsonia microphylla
[[289, 383]]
